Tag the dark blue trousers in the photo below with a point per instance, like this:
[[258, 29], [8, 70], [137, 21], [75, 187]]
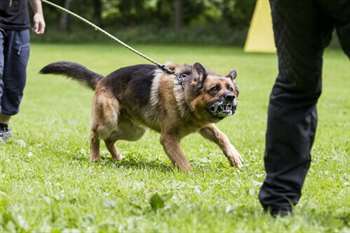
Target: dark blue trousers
[[14, 55], [303, 29]]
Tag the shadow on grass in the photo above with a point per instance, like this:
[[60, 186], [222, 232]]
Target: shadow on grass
[[130, 163], [138, 164]]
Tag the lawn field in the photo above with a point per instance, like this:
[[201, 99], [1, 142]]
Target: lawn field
[[47, 183]]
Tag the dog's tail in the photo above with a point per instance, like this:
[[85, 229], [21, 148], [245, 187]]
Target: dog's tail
[[74, 71]]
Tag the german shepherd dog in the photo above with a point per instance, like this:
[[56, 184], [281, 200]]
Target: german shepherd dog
[[175, 105]]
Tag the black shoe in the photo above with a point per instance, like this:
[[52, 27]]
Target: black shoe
[[5, 133], [276, 212], [281, 213]]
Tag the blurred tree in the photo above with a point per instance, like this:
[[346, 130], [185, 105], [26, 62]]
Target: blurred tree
[[97, 11], [64, 21], [132, 11], [178, 12], [238, 13], [178, 15], [175, 17]]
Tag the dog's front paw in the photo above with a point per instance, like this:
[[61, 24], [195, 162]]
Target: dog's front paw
[[184, 167], [235, 159], [94, 159]]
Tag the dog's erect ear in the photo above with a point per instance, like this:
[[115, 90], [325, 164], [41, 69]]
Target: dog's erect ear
[[232, 75], [199, 68], [200, 74]]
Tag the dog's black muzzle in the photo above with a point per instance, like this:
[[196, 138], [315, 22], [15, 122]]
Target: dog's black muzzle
[[224, 106]]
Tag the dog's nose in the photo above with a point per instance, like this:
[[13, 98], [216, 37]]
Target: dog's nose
[[229, 97]]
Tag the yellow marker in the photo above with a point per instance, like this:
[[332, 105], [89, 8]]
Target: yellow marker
[[260, 36]]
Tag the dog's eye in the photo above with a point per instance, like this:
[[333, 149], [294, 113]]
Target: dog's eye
[[230, 88], [214, 90], [183, 76]]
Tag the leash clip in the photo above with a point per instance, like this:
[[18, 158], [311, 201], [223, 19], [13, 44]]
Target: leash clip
[[179, 80], [166, 69]]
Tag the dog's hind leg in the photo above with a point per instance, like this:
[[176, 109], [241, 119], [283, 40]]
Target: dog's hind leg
[[116, 155], [104, 122], [95, 137], [95, 146]]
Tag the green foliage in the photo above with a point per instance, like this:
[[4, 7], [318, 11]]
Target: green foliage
[[218, 35], [10, 219], [126, 12], [47, 183], [156, 202], [238, 13], [228, 15]]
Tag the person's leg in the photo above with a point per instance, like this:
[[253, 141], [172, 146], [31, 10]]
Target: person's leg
[[16, 55], [3, 119], [2, 64], [14, 78], [301, 34]]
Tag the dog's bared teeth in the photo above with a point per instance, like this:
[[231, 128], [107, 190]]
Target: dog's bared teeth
[[221, 109]]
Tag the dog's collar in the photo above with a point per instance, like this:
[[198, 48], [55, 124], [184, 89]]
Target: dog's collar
[[166, 69], [179, 80]]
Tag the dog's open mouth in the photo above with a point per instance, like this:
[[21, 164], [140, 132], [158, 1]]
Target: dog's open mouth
[[221, 109]]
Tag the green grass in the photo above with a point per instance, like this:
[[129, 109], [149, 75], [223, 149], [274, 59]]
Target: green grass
[[47, 183]]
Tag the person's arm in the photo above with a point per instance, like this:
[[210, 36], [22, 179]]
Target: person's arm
[[38, 19]]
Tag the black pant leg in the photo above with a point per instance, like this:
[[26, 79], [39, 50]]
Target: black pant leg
[[16, 55], [2, 64], [301, 34]]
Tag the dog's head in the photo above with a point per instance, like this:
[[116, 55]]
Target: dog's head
[[211, 97]]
